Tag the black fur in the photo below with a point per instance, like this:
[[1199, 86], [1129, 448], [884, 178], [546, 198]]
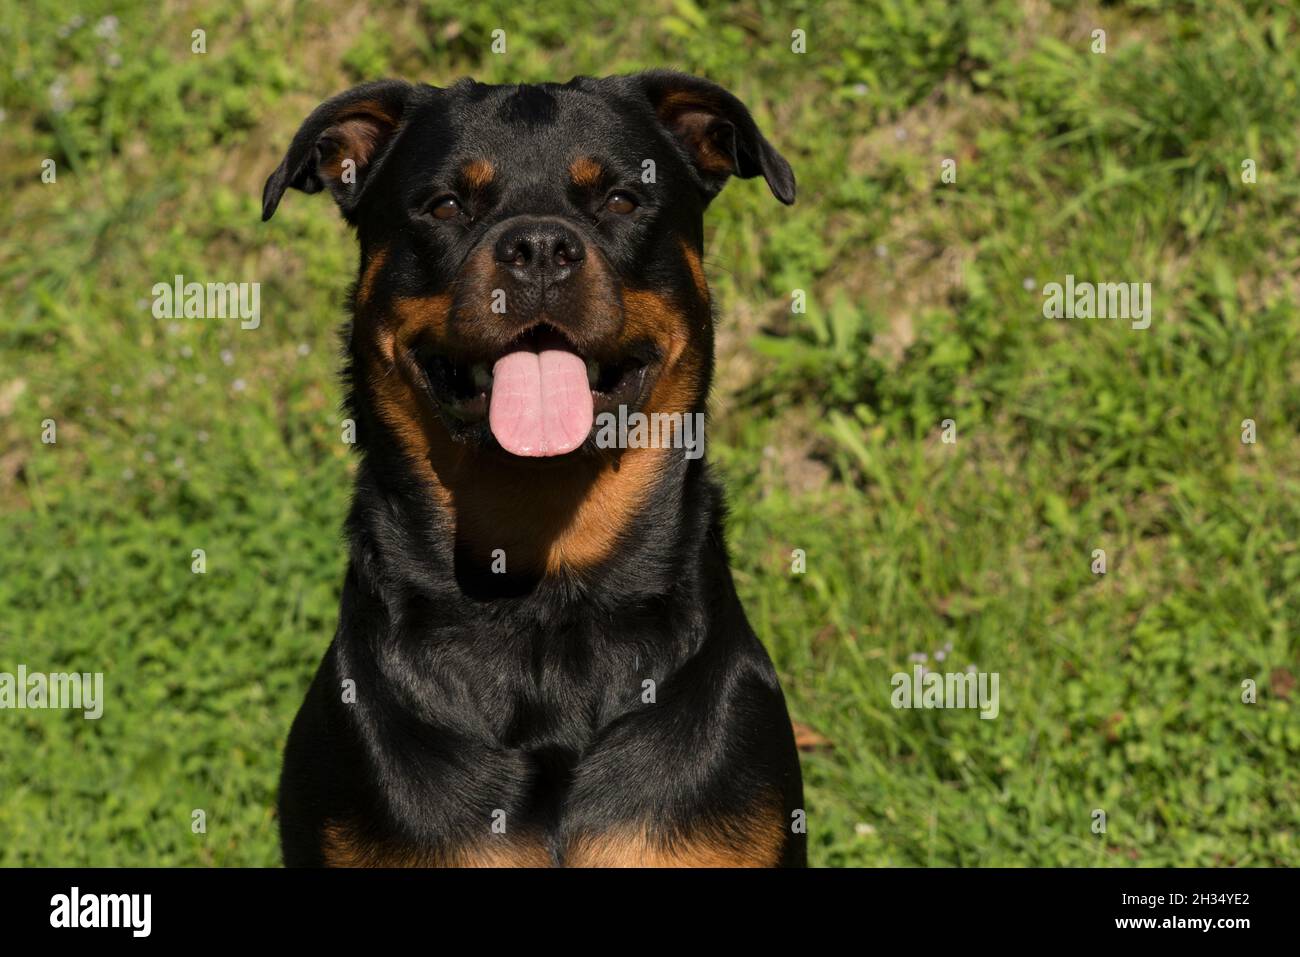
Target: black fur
[[522, 693]]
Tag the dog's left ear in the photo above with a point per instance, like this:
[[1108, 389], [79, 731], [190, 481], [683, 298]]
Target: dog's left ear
[[717, 132], [340, 143]]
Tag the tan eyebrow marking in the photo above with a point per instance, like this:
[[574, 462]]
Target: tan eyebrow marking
[[478, 173], [585, 171]]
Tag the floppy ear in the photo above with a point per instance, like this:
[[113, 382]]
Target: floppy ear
[[355, 126], [717, 132]]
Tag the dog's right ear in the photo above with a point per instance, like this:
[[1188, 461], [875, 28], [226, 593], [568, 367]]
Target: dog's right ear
[[340, 143]]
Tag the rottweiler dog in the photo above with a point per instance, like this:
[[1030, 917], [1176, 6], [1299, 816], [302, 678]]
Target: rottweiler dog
[[541, 659]]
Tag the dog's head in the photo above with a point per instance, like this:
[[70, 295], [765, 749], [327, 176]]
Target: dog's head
[[530, 259], [531, 254]]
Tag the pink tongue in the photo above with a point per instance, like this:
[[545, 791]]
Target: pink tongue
[[541, 403]]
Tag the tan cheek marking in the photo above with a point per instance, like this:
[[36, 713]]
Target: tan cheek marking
[[425, 315], [366, 287], [605, 513], [393, 380], [585, 172], [696, 268], [652, 315], [479, 173]]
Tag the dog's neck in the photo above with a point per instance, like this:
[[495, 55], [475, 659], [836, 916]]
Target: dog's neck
[[502, 530]]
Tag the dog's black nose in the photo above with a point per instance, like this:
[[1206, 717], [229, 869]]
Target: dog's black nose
[[540, 250]]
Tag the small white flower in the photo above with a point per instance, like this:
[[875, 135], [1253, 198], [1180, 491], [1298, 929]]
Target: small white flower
[[60, 102], [106, 29]]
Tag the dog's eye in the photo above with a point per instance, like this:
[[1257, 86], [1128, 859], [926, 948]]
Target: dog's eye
[[448, 207], [621, 203]]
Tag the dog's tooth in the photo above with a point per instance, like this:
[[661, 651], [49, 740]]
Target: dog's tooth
[[482, 377], [593, 373]]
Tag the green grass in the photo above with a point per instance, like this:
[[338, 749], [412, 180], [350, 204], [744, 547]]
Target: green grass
[[1120, 692]]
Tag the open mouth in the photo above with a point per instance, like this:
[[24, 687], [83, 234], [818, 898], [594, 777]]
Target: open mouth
[[539, 395]]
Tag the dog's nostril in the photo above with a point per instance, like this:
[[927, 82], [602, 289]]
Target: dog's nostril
[[567, 251], [514, 250], [539, 246]]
